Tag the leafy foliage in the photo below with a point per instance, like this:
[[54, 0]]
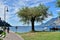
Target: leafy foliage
[[59, 14], [58, 3], [1, 39], [38, 13]]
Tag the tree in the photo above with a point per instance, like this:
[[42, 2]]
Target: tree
[[58, 3], [33, 14], [59, 14]]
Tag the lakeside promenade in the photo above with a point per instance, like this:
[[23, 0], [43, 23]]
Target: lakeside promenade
[[12, 36]]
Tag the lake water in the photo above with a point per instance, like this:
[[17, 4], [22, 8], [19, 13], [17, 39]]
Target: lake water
[[23, 29]]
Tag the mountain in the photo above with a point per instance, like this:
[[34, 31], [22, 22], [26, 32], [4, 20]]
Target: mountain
[[52, 22]]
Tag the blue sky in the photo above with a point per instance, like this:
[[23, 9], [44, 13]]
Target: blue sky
[[15, 5]]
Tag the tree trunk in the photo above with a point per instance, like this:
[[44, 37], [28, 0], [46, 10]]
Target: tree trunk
[[32, 26], [32, 23]]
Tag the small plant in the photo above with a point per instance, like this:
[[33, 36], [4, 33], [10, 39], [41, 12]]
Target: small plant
[[3, 34], [1, 39], [1, 31]]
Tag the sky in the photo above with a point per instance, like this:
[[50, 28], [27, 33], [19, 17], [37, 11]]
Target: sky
[[15, 5]]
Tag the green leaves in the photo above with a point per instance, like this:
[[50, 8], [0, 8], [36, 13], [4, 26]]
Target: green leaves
[[58, 3], [38, 13], [59, 14]]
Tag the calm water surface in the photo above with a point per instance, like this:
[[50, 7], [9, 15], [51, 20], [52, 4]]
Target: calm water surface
[[23, 29]]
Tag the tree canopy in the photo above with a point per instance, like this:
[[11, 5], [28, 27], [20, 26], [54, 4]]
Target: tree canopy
[[39, 12], [58, 3]]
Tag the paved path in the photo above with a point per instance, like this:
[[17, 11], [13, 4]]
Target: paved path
[[12, 36]]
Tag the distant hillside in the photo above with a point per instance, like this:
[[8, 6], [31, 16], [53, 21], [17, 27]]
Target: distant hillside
[[52, 22]]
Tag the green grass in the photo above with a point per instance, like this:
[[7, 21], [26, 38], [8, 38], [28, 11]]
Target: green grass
[[40, 35]]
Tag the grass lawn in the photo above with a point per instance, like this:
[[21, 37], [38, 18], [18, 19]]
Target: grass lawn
[[40, 36]]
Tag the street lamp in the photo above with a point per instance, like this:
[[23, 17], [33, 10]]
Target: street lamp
[[5, 10]]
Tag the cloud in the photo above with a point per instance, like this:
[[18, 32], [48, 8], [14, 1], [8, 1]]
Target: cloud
[[58, 10], [21, 3], [2, 6], [2, 10], [14, 5], [32, 2]]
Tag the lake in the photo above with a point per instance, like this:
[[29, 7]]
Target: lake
[[23, 29]]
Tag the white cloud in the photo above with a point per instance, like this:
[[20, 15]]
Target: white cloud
[[47, 1], [58, 10], [2, 11], [21, 3], [14, 5]]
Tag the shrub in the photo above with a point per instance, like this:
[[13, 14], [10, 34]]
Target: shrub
[[3, 34], [1, 31], [1, 39]]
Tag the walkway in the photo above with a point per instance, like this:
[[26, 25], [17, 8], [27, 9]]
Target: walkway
[[12, 36]]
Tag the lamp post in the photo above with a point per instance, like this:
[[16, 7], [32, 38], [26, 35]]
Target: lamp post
[[5, 10]]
